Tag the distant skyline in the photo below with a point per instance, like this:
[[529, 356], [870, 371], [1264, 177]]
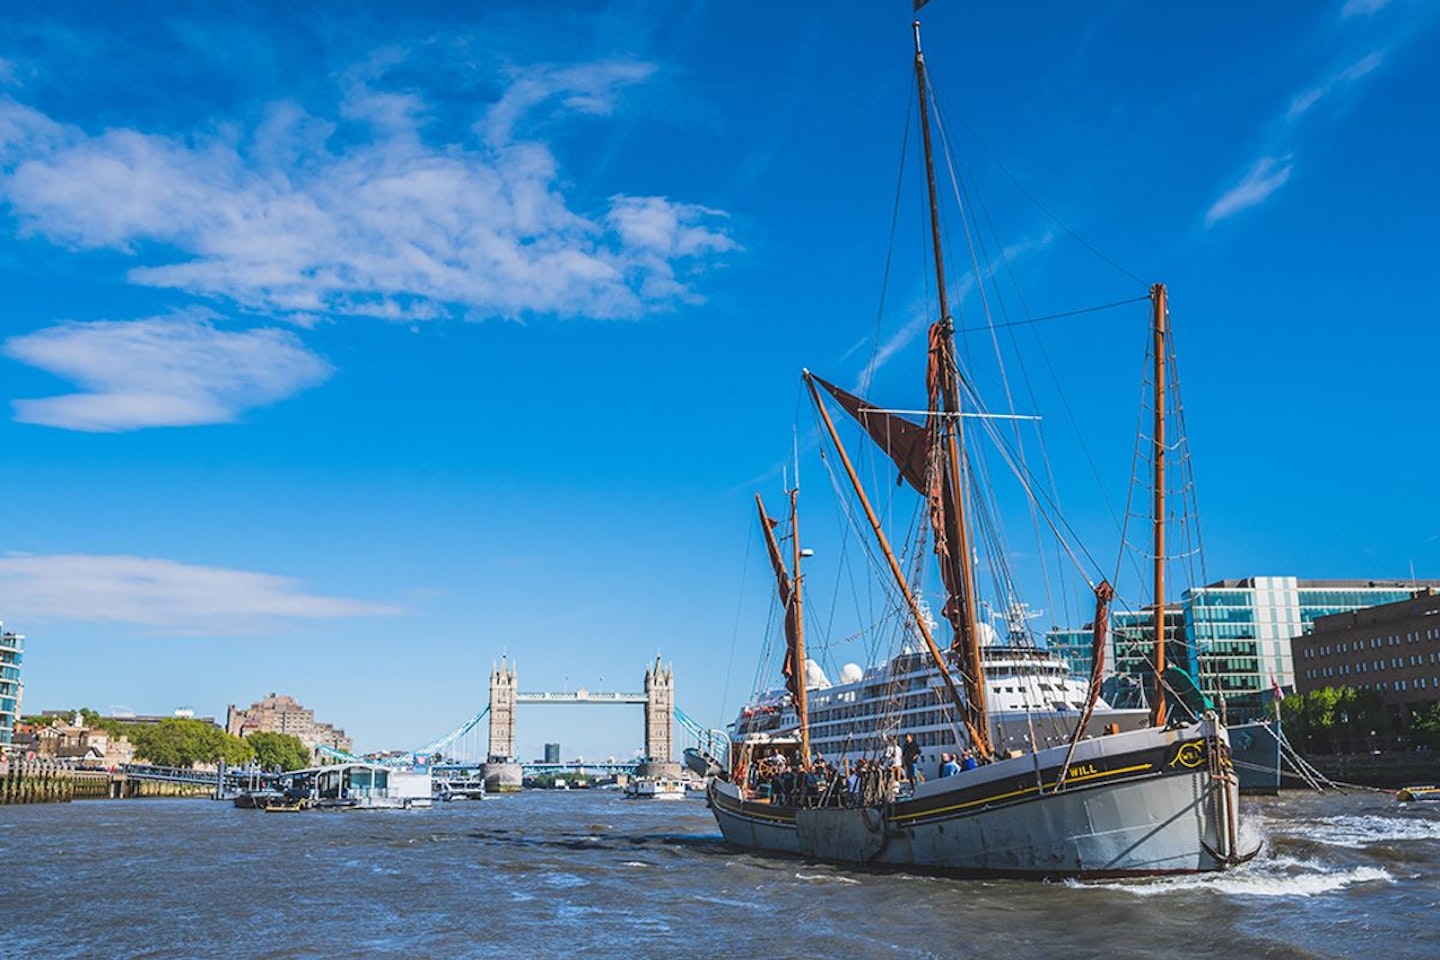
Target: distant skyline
[[345, 353]]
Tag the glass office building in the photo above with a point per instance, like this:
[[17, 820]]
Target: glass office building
[[1233, 636], [1073, 646], [11, 648], [1241, 630]]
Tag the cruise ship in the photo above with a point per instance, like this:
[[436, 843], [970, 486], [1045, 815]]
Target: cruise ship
[[1035, 704]]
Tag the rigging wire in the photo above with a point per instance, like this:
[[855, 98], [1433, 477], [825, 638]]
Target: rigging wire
[[1044, 209], [1031, 321]]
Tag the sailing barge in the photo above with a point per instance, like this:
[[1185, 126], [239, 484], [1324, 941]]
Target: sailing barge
[[1156, 796]]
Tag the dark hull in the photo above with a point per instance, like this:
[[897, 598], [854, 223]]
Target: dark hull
[[1256, 752]]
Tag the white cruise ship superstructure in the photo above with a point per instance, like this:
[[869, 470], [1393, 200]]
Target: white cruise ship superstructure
[[1034, 703]]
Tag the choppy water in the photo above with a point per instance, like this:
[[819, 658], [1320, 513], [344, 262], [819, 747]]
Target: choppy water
[[591, 874]]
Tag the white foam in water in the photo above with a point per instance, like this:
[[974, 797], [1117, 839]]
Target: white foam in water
[[1275, 878], [824, 878], [1361, 831]]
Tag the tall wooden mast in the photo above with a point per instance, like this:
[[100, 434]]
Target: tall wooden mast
[[1161, 348], [947, 493], [788, 587], [802, 705]]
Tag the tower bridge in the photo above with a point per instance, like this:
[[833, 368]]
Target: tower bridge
[[502, 768]]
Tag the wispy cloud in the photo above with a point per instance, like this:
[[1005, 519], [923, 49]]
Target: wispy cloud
[[1268, 174], [919, 323], [179, 370], [897, 341], [153, 592], [1335, 82], [1362, 8], [360, 214], [1264, 178]]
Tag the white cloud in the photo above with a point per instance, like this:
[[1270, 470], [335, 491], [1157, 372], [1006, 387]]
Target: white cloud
[[1355, 8], [918, 324], [162, 593], [1337, 81], [180, 370], [295, 219], [1264, 178]]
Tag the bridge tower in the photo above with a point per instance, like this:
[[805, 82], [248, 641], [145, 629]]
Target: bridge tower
[[501, 771], [660, 721]]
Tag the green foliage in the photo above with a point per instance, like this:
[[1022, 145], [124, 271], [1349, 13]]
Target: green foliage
[[40, 720], [278, 750], [182, 742], [1335, 719], [1425, 725]]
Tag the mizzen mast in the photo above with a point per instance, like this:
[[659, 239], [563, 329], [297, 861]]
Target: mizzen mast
[[788, 588]]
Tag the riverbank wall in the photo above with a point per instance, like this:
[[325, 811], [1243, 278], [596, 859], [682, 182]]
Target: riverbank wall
[[1388, 771], [41, 782]]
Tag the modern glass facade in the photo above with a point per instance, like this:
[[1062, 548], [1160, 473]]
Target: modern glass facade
[[1241, 629], [1132, 647], [1232, 635], [11, 653], [1072, 646]]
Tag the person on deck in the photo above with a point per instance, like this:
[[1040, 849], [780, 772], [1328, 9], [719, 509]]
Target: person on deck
[[948, 766], [969, 762], [910, 756]]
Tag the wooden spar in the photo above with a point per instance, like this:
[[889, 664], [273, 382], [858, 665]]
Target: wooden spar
[[1157, 296], [789, 588], [951, 443], [982, 746], [1104, 593], [802, 705], [930, 178]]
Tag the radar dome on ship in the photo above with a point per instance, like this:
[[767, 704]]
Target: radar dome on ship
[[851, 673], [814, 676]]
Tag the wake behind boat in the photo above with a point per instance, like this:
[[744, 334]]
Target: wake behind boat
[[1054, 782]]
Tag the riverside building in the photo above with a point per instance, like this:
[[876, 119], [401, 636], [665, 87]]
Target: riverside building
[[1235, 635], [1241, 630], [12, 646], [1393, 649], [279, 713]]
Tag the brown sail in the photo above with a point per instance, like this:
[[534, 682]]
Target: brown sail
[[789, 592], [928, 459]]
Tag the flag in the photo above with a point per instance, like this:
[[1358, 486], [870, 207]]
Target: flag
[[1275, 689]]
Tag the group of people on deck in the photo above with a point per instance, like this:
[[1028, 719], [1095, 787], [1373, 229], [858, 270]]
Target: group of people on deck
[[863, 782]]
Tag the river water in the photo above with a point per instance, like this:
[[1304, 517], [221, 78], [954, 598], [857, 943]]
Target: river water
[[588, 873]]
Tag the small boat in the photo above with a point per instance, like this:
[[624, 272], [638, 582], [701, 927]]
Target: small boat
[[257, 799], [1407, 794], [655, 788], [459, 788], [286, 806]]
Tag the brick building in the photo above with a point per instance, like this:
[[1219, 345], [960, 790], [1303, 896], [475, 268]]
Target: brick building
[[279, 713], [1393, 649]]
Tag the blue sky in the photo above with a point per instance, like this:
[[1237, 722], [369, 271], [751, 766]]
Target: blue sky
[[345, 351]]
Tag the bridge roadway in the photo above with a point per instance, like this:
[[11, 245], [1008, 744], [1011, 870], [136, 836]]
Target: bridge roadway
[[234, 779], [581, 696]]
